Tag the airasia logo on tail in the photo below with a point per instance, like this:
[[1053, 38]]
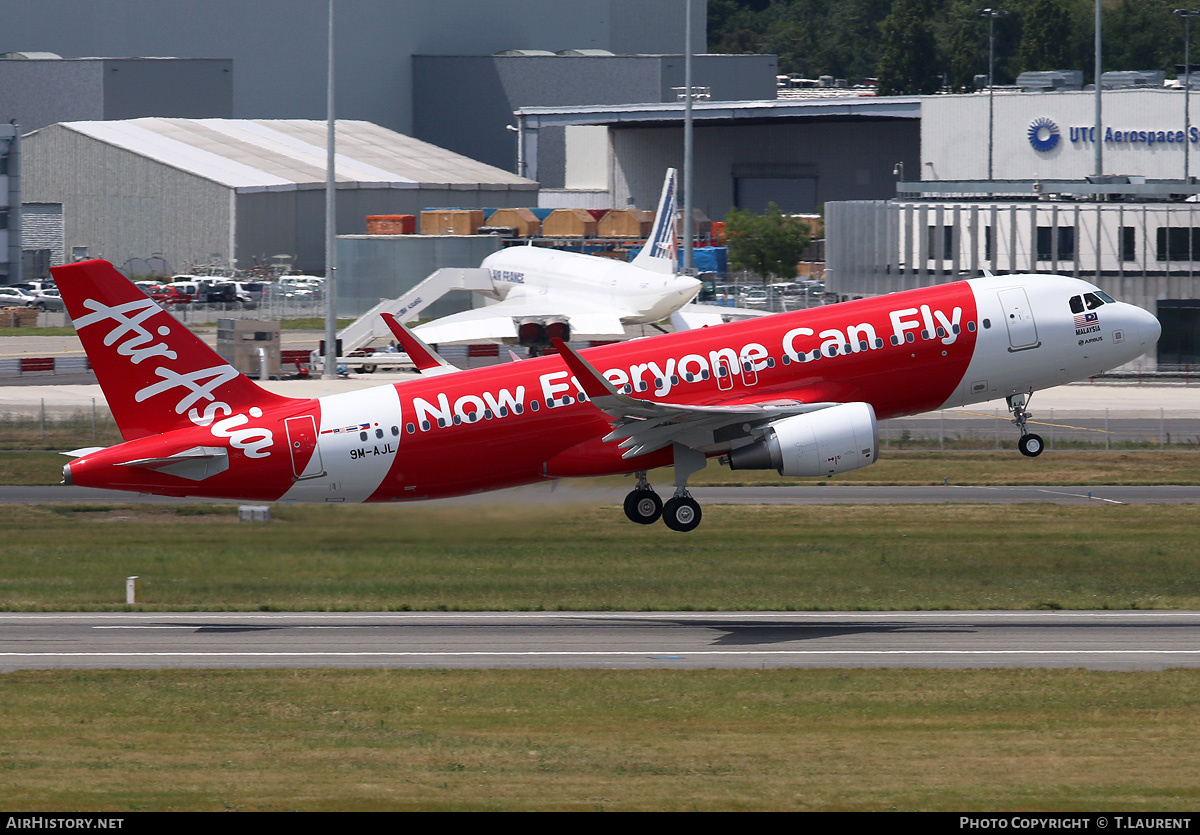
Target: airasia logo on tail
[[197, 395]]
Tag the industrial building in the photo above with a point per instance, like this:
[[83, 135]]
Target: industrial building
[[10, 204], [40, 89], [235, 193], [278, 48], [466, 103], [796, 153], [1134, 230]]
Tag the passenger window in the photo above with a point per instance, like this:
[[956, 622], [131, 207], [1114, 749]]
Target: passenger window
[[1077, 304]]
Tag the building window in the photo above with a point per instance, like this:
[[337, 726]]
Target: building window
[[3, 218], [1045, 243], [947, 243], [1177, 243], [1128, 243]]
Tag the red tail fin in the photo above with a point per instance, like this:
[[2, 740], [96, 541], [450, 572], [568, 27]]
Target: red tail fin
[[156, 374]]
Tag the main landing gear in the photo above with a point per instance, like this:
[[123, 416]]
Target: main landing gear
[[680, 512], [1031, 445]]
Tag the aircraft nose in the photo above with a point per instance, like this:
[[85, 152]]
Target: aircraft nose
[[1149, 328], [686, 287]]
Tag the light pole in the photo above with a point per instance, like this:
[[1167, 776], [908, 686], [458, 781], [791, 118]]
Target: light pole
[[331, 352], [1187, 16], [991, 15]]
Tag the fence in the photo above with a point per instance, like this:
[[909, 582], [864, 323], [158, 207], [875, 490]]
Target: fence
[[963, 429], [201, 314]]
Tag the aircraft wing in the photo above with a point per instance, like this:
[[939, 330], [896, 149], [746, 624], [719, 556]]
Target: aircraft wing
[[693, 316], [498, 322], [643, 426]]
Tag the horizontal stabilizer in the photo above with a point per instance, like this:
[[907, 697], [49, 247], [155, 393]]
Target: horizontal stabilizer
[[427, 361], [195, 464], [82, 451]]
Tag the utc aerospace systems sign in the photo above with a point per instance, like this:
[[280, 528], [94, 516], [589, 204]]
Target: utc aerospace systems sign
[[1044, 136]]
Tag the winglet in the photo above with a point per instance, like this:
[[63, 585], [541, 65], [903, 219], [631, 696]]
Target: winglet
[[424, 358], [593, 382]]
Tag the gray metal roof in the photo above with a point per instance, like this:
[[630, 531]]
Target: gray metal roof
[[251, 155], [849, 104]]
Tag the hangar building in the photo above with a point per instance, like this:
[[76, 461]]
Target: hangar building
[[797, 153], [237, 192]]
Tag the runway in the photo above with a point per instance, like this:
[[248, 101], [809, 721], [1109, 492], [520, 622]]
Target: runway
[[790, 495], [676, 640]]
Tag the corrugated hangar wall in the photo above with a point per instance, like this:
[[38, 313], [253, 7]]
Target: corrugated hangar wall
[[121, 205]]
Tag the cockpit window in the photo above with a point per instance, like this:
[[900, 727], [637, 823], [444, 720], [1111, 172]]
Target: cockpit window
[[1090, 301]]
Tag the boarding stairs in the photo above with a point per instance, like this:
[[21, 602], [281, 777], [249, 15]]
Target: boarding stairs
[[370, 326]]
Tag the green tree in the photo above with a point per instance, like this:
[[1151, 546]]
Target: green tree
[[908, 53], [1146, 35], [769, 244], [1047, 37]]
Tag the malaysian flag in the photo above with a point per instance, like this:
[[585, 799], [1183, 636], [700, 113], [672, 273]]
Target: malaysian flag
[[1082, 320]]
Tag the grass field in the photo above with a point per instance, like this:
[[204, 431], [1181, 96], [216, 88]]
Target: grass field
[[797, 740], [793, 740], [501, 557]]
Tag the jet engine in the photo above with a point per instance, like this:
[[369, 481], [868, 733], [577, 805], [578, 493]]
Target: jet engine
[[826, 442], [536, 332]]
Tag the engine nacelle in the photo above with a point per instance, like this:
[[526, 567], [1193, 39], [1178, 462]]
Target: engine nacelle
[[826, 442], [537, 331]]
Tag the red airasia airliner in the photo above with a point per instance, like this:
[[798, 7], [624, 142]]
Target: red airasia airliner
[[798, 392]]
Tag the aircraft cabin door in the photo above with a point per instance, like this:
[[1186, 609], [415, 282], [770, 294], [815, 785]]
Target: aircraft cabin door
[[302, 444], [1018, 316]]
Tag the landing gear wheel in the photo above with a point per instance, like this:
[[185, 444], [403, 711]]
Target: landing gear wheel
[[681, 513], [643, 507], [1031, 445]]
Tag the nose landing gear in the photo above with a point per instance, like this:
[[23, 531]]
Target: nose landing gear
[[1030, 445]]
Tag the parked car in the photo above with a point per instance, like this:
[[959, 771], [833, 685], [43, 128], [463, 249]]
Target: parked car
[[35, 287], [168, 295], [224, 293], [754, 297], [250, 293], [15, 297], [49, 299]]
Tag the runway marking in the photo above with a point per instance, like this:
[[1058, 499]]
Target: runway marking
[[1088, 496], [954, 412], [594, 654]]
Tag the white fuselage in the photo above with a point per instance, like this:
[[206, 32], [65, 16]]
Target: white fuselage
[[637, 295], [1028, 337]]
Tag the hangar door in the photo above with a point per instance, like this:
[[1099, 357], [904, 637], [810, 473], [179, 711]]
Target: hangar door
[[793, 188]]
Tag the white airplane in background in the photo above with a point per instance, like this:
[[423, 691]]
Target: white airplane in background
[[547, 294]]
